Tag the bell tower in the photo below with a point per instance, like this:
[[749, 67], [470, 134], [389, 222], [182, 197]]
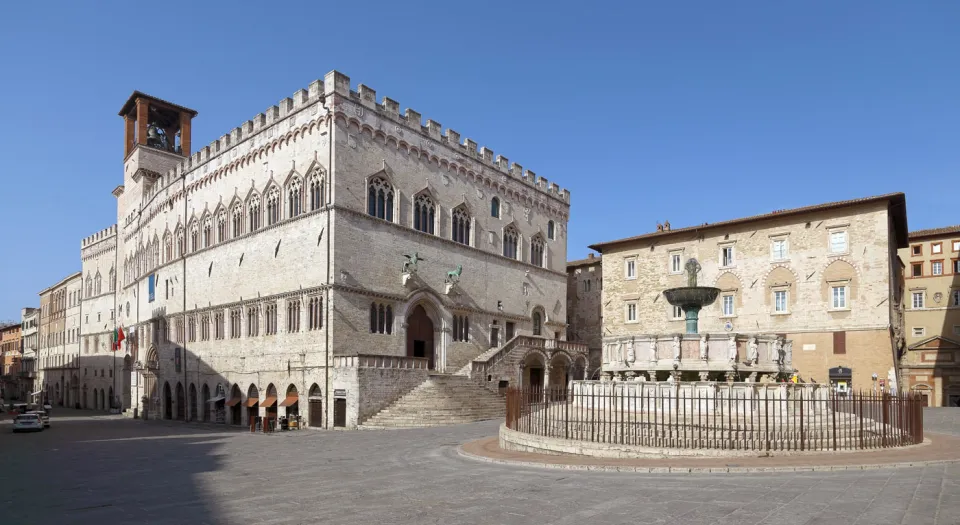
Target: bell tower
[[157, 124]]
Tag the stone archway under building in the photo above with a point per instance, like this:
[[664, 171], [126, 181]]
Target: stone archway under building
[[205, 402], [533, 370], [193, 402], [167, 401], [181, 402]]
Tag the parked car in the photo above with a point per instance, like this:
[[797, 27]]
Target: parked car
[[43, 417], [28, 423]]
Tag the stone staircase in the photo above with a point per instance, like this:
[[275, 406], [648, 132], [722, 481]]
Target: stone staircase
[[443, 399]]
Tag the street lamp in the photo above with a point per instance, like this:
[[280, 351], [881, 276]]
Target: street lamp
[[874, 377]]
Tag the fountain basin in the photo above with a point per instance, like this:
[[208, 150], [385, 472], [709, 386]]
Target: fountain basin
[[691, 296]]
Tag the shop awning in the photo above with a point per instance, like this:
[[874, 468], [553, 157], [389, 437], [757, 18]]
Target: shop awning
[[291, 399], [217, 399], [233, 402], [252, 401], [269, 401]]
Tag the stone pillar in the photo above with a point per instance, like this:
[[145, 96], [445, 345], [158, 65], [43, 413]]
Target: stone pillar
[[547, 368], [704, 376], [441, 345], [630, 375], [731, 376]]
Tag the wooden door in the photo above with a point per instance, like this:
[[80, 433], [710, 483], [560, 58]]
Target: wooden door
[[339, 412], [316, 413]]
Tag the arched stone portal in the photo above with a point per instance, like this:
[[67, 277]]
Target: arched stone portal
[[532, 373], [420, 335]]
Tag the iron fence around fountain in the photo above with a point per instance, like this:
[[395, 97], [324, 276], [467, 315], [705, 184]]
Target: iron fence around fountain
[[740, 421]]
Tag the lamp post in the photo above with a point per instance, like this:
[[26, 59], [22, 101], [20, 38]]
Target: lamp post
[[874, 377]]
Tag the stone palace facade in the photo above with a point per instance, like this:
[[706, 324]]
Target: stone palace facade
[[321, 259]]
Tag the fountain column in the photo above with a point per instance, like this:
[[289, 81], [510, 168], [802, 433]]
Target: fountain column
[[693, 315]]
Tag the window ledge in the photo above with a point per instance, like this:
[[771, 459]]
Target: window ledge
[[631, 322], [838, 254], [780, 313], [634, 278], [833, 310], [734, 316], [731, 267], [779, 261]]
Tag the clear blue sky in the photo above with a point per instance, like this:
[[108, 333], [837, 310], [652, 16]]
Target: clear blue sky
[[688, 111]]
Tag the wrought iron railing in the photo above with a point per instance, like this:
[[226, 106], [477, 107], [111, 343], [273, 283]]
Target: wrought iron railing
[[788, 419]]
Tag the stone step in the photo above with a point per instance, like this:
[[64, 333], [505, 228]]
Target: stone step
[[442, 399]]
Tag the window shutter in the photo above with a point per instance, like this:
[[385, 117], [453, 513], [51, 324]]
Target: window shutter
[[839, 342]]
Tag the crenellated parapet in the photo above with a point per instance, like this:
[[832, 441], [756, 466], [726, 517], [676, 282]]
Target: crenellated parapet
[[104, 241], [101, 235], [361, 108]]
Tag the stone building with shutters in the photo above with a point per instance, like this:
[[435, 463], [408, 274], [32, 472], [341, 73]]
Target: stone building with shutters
[[826, 277], [323, 259], [931, 363], [59, 342]]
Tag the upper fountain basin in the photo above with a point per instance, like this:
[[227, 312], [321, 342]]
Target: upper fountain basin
[[691, 296]]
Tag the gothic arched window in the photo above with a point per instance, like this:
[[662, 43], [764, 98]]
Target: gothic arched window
[[113, 279], [194, 237], [380, 199], [180, 241], [167, 247], [155, 256], [551, 230], [253, 212], [237, 217], [461, 225], [316, 190], [495, 207], [510, 237], [537, 323], [89, 286], [273, 206], [96, 285], [424, 213], [207, 232], [536, 251], [294, 202], [222, 225]]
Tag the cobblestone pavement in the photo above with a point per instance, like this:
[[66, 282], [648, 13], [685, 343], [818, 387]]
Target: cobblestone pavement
[[107, 470]]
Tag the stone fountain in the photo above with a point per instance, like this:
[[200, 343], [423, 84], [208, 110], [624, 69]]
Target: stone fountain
[[691, 298], [728, 355]]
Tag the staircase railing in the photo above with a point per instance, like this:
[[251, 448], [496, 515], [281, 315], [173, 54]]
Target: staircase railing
[[488, 361]]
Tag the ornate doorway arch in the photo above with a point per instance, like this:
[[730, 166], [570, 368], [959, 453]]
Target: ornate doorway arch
[[421, 337]]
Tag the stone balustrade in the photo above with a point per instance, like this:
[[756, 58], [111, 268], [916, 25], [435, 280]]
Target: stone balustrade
[[381, 361]]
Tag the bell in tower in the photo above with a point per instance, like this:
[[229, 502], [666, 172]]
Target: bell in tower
[[156, 124]]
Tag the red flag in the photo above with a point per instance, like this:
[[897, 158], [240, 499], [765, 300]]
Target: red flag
[[119, 338]]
